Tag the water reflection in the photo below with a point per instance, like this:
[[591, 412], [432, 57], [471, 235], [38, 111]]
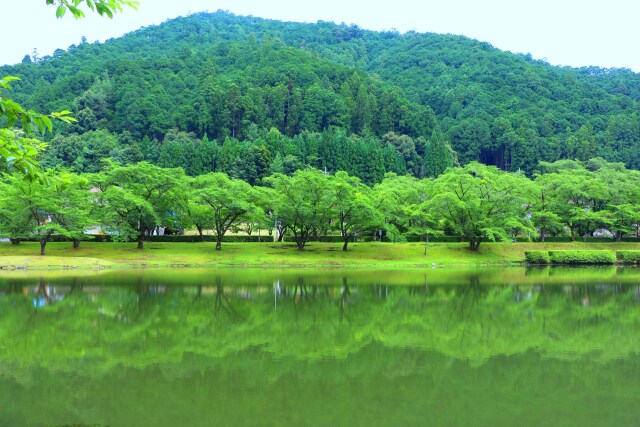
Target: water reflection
[[231, 339], [475, 317]]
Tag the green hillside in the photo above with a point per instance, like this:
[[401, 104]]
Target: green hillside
[[248, 96]]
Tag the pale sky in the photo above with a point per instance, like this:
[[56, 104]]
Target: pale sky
[[564, 32]]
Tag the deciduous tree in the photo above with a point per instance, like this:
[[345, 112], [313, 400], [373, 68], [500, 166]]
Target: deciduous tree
[[304, 202], [136, 199], [355, 207], [229, 201], [483, 203]]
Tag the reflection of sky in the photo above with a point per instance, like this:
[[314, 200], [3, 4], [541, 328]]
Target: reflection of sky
[[43, 296]]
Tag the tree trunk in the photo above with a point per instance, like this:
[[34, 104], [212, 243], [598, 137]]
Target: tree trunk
[[426, 243], [346, 243], [76, 243], [618, 236], [200, 233], [218, 244], [141, 240], [43, 244], [474, 245], [14, 240]]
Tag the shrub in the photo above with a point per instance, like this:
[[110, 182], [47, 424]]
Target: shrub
[[582, 257], [537, 257], [628, 257], [588, 239], [209, 238]]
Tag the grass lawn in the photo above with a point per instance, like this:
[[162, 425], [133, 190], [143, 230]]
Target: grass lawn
[[275, 255]]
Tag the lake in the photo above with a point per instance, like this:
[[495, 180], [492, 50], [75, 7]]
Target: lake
[[436, 347]]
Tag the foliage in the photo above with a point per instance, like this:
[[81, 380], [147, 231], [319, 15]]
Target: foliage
[[135, 200], [230, 202], [439, 155], [392, 197], [585, 197], [536, 257], [303, 203], [628, 257], [59, 204], [18, 146], [582, 257], [16, 219], [102, 7], [594, 199], [482, 203], [357, 213]]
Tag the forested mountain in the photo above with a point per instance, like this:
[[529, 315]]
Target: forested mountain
[[249, 97]]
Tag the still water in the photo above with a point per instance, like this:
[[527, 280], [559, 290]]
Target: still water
[[482, 347]]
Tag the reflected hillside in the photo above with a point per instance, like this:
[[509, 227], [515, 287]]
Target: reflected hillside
[[243, 348], [138, 319]]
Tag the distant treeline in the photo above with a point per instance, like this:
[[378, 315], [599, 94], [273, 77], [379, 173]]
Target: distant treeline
[[259, 155]]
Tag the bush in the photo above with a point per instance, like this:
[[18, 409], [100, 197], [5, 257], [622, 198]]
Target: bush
[[628, 257], [253, 238], [419, 238], [537, 257], [582, 257], [589, 239], [99, 238]]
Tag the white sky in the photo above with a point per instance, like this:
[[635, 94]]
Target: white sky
[[564, 32]]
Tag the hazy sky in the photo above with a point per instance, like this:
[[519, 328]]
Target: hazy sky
[[565, 32]]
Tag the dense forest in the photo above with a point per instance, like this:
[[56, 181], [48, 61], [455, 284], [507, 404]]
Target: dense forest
[[251, 97]]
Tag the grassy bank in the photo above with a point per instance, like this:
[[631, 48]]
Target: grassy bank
[[276, 255]]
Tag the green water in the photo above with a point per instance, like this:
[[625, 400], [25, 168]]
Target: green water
[[482, 347]]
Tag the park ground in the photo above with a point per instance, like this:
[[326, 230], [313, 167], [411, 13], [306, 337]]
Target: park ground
[[93, 255]]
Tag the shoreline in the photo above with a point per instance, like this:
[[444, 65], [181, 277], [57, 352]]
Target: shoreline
[[269, 255]]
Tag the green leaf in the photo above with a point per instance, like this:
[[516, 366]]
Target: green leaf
[[60, 11], [4, 82], [26, 124], [77, 13]]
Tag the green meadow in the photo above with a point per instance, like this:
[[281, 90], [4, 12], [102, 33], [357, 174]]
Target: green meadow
[[92, 255]]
